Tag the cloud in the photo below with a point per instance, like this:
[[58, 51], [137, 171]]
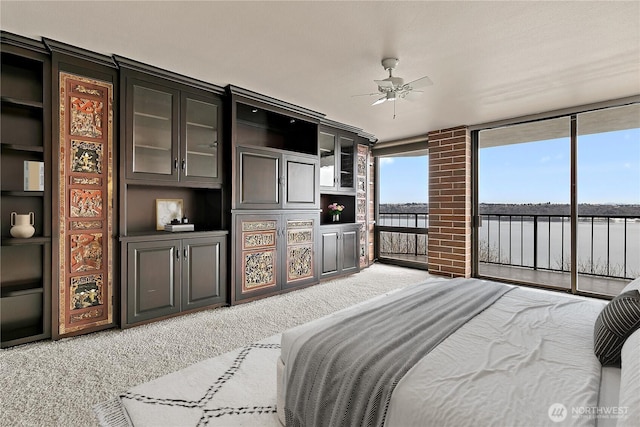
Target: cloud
[[627, 166], [386, 160], [545, 159]]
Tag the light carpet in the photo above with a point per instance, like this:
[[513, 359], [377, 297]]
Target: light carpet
[[56, 383]]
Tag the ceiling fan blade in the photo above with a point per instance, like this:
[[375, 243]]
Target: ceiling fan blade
[[380, 101], [367, 94], [421, 82], [413, 95], [384, 83]]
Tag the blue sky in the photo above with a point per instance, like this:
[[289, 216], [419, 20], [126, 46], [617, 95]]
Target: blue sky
[[535, 172], [403, 179]]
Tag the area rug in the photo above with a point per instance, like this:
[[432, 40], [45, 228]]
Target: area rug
[[235, 389]]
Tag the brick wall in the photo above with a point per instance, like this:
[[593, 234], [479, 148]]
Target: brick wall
[[449, 240]]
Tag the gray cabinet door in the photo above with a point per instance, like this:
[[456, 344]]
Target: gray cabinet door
[[201, 145], [349, 243], [151, 130], [203, 272], [258, 179], [299, 246], [330, 255], [256, 256], [301, 185], [153, 285], [339, 247]]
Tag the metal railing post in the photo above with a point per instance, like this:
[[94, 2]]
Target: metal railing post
[[535, 242]]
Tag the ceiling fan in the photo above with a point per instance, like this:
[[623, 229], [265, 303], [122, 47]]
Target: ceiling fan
[[392, 88]]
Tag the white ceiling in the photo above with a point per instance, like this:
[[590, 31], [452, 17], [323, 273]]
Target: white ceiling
[[488, 60]]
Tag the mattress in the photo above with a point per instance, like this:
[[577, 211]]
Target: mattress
[[516, 362]]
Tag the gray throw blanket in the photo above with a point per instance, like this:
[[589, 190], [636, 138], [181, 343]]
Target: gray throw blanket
[[344, 375]]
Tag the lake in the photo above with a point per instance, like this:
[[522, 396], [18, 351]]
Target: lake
[[513, 243]]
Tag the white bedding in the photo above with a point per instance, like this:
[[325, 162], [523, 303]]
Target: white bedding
[[507, 366]]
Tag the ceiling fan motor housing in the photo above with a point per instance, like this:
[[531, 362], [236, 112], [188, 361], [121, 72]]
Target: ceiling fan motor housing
[[390, 63]]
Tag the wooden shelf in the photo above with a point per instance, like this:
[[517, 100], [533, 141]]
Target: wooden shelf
[[200, 153], [38, 240], [21, 288], [23, 193], [152, 116], [18, 147], [201, 125], [22, 103], [23, 335], [152, 147]]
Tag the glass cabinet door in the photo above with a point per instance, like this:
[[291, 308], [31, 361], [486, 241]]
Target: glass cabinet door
[[152, 131], [347, 159], [200, 157], [327, 144]]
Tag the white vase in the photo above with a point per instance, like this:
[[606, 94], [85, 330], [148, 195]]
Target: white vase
[[335, 218], [22, 225]]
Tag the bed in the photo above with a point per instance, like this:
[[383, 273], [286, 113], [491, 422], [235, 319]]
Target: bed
[[514, 356]]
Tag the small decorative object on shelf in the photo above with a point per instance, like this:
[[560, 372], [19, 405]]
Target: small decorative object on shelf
[[22, 225], [33, 176], [168, 210], [335, 210]]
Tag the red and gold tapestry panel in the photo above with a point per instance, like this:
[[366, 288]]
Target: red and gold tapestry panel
[[85, 193]]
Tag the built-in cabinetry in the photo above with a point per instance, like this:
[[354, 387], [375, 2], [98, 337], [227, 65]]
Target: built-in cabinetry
[[337, 150], [276, 197], [273, 252], [275, 179], [340, 246], [171, 273], [115, 149], [172, 171], [172, 133], [340, 249], [25, 270]]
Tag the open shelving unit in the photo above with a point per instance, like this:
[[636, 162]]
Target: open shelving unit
[[25, 272]]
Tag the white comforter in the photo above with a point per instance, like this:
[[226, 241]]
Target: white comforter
[[529, 352]]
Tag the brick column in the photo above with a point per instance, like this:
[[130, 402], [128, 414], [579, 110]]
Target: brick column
[[449, 243]]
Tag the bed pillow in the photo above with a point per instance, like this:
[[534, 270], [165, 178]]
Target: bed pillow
[[630, 381], [619, 319], [634, 284]]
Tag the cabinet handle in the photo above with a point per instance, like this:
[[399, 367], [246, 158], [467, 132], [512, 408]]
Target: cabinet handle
[[185, 253], [178, 254], [184, 164], [175, 164]]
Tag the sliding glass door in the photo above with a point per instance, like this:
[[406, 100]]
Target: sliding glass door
[[558, 201], [608, 196], [524, 188], [403, 216]]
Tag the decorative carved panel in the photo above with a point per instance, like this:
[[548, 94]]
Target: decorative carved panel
[[85, 192], [362, 201], [259, 255], [299, 250], [258, 269]]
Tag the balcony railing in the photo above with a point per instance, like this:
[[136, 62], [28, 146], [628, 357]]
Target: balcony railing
[[608, 246], [403, 235]]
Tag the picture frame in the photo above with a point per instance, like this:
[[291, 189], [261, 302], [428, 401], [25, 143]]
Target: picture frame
[[167, 210]]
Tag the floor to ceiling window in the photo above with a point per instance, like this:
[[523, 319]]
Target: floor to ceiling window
[[524, 184], [558, 201], [403, 214], [608, 196]]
